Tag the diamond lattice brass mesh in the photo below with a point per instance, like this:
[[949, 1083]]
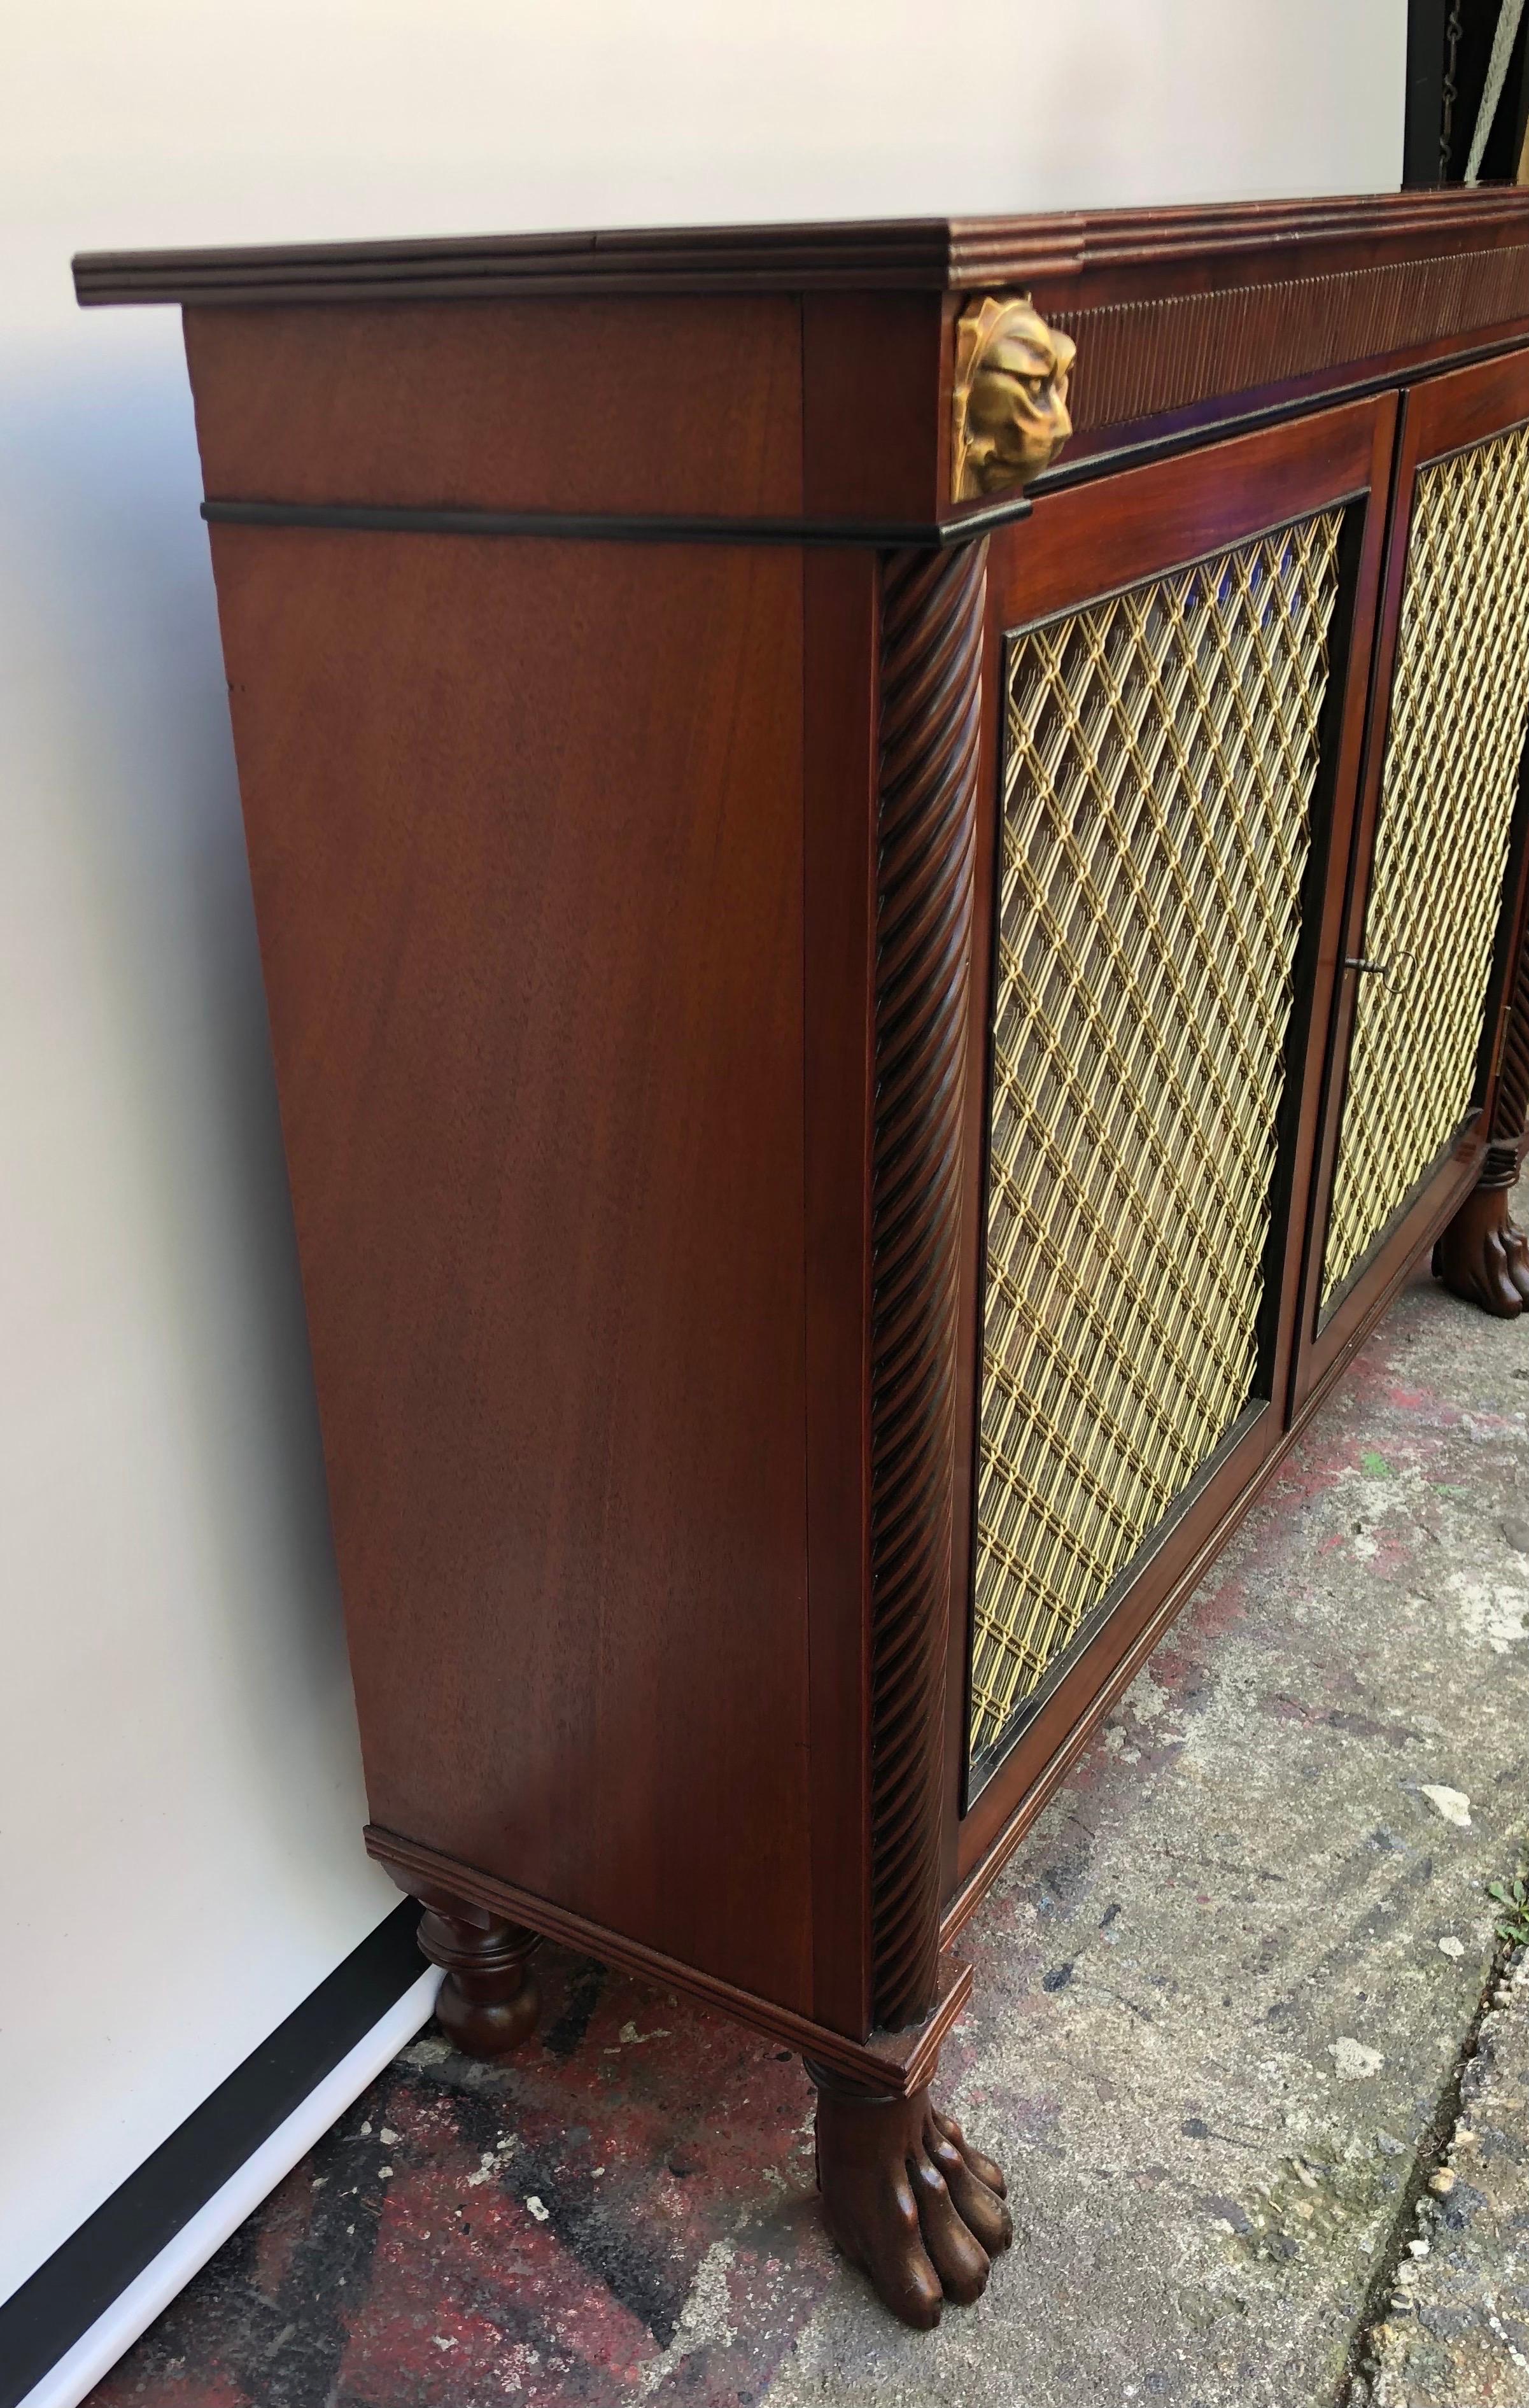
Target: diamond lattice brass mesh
[[1458, 706], [1162, 755]]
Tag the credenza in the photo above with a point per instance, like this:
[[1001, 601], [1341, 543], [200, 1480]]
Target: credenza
[[890, 865]]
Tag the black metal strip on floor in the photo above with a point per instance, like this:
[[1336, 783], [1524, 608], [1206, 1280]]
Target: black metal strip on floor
[[58, 2303]]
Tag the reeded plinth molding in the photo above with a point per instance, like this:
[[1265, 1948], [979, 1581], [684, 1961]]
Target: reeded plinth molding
[[932, 623]]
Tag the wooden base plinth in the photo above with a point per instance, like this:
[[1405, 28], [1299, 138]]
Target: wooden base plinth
[[887, 2062], [1483, 1255], [906, 2198]]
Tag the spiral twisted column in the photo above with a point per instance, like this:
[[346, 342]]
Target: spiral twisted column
[[1483, 1255], [932, 608], [1510, 1113]]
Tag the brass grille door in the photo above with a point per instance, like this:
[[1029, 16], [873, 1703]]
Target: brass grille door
[[1158, 783], [1460, 696]]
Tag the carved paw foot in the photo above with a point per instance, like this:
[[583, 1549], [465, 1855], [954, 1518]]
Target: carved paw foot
[[489, 2002], [908, 2199], [1483, 1255]]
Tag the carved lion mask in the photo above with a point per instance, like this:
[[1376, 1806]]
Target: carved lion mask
[[1010, 397]]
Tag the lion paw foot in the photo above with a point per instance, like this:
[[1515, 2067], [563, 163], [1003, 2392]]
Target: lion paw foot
[[908, 2199]]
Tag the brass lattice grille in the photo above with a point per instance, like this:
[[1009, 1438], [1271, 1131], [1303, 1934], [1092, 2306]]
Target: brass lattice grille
[[1162, 755], [1447, 798]]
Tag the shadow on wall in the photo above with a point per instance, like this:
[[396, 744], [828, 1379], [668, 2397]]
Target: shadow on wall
[[180, 1789], [129, 855]]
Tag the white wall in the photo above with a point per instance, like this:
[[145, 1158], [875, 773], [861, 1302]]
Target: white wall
[[180, 1792]]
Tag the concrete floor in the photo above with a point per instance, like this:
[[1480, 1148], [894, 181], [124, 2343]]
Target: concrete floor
[[1455, 2330], [1223, 1997]]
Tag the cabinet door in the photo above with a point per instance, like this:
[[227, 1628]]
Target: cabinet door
[[1182, 653], [1438, 853]]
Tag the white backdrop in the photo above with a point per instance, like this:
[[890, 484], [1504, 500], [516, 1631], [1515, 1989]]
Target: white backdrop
[[179, 1790]]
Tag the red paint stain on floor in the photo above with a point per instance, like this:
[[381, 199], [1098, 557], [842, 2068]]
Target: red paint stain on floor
[[625, 2209]]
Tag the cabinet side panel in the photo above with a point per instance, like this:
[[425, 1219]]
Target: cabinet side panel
[[664, 404], [524, 827]]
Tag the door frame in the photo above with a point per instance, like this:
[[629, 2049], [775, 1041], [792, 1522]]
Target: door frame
[[1078, 547], [1445, 414]]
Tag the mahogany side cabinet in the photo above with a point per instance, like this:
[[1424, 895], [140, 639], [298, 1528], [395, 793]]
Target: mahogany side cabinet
[[889, 863]]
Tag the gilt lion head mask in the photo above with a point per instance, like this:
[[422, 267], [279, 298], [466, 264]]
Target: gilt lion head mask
[[1010, 397]]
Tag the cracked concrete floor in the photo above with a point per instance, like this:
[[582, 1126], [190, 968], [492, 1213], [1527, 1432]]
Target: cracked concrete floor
[[1221, 1997], [1455, 2331]]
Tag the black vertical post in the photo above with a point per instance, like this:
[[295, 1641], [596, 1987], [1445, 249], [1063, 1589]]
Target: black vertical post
[[1424, 91]]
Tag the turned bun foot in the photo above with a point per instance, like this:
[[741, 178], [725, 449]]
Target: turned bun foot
[[1483, 1255], [908, 2199], [489, 2002]]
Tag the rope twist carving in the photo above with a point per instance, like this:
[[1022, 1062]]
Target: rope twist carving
[[1511, 1115], [932, 625]]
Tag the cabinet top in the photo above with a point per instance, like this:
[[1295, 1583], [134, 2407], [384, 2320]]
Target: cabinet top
[[1109, 252]]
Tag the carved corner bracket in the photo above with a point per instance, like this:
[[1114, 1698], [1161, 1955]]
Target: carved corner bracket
[[1009, 397]]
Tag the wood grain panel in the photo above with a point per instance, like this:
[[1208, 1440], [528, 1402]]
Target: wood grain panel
[[1131, 526], [525, 832], [873, 420], [582, 405], [840, 716]]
